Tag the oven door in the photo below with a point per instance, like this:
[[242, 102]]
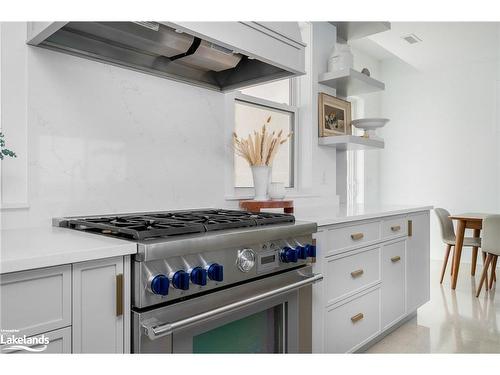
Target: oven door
[[270, 315]]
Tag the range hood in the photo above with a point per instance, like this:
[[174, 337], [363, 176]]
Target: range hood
[[197, 53]]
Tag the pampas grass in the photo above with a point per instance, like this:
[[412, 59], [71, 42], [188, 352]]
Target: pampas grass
[[260, 148]]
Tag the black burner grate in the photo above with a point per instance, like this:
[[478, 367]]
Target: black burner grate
[[161, 224]]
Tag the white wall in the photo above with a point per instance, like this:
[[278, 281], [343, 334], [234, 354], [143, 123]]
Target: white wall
[[442, 141]]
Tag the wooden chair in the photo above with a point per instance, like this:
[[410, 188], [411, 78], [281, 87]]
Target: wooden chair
[[490, 239], [449, 238]]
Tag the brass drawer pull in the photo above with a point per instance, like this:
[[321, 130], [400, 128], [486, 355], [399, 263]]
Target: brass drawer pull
[[119, 294], [396, 228], [357, 317], [410, 228], [357, 273], [395, 259], [357, 236]]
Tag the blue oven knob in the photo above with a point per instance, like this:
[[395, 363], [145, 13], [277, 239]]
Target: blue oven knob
[[311, 251], [216, 272], [288, 255], [159, 285], [301, 252], [199, 276], [180, 280]]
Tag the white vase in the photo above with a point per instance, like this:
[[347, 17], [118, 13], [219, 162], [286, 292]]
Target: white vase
[[260, 175], [269, 179], [341, 58]]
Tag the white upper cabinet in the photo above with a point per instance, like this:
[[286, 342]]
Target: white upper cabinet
[[218, 55]]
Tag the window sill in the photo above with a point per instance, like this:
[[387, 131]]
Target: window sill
[[14, 206]]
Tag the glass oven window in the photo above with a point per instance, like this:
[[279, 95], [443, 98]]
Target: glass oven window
[[258, 333]]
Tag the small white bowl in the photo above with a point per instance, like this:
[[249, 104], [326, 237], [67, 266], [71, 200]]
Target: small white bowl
[[277, 191], [368, 124]]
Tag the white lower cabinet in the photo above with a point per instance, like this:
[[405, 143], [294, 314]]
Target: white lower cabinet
[[393, 283], [80, 308], [369, 288], [351, 272], [60, 341], [418, 261], [36, 301], [353, 323], [98, 311]]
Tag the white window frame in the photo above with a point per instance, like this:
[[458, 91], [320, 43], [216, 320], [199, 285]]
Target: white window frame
[[233, 192]]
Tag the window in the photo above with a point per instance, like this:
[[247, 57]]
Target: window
[[279, 91], [251, 112]]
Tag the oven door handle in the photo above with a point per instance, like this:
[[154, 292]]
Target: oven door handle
[[156, 330]]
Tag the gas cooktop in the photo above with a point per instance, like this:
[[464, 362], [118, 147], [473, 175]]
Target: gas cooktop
[[151, 225]]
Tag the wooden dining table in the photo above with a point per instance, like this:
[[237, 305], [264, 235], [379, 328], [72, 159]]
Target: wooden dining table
[[469, 220]]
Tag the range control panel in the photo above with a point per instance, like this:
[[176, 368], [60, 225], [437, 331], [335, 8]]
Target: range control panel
[[173, 278]]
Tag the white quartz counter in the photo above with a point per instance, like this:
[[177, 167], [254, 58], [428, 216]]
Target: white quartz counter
[[28, 248], [331, 214]]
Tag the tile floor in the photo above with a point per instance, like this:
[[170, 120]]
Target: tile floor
[[452, 321]]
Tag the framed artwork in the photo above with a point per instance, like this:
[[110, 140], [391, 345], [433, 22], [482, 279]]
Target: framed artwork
[[334, 116]]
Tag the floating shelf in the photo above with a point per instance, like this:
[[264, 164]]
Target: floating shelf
[[347, 31], [351, 142], [349, 82]]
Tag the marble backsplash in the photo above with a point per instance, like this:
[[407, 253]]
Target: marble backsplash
[[105, 139]]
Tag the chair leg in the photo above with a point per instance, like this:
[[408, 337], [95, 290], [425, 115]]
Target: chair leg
[[445, 262], [493, 267], [474, 261], [452, 261], [483, 275], [484, 263]]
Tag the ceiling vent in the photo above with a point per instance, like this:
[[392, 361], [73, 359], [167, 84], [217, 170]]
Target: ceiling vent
[[411, 39]]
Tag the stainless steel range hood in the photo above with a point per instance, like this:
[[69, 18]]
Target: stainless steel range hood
[[199, 54]]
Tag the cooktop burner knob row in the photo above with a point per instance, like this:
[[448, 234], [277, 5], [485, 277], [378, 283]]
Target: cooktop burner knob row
[[288, 255], [199, 276], [301, 252], [159, 285], [180, 280], [216, 272]]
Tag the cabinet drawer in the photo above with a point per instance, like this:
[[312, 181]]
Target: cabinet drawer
[[350, 325], [352, 236], [393, 227], [59, 343], [36, 301], [352, 272], [393, 283]]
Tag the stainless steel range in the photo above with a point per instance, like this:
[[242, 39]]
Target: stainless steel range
[[214, 280]]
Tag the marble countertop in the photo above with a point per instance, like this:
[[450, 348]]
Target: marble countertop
[[29, 248], [333, 214]]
